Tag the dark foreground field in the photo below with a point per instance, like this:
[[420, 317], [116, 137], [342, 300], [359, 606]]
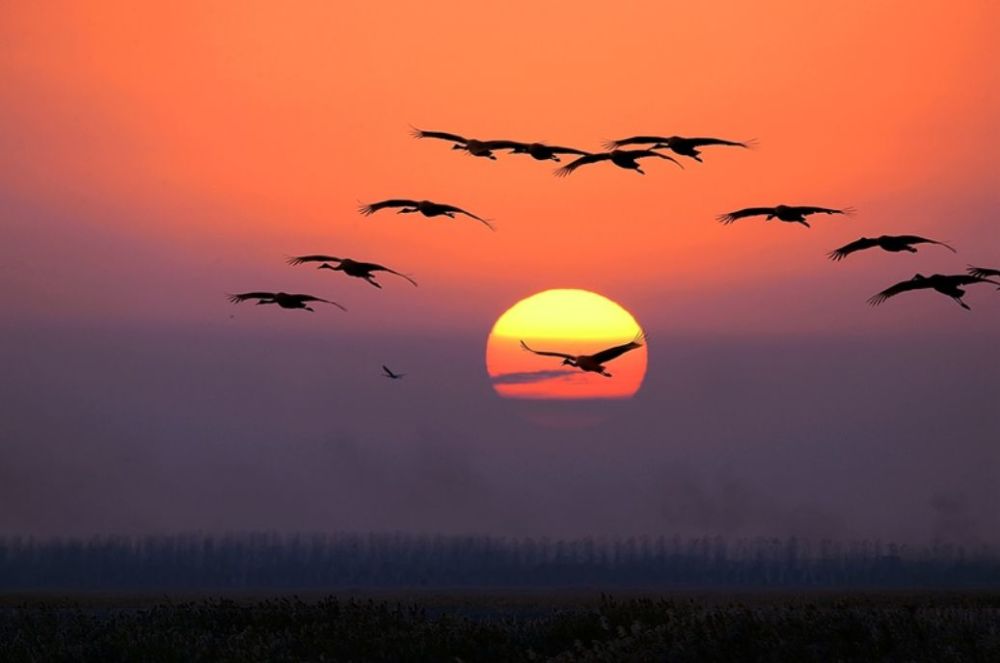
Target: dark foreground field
[[507, 626]]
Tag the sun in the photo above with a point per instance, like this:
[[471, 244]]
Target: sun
[[569, 321]]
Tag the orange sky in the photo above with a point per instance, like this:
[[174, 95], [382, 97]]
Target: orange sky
[[194, 145]]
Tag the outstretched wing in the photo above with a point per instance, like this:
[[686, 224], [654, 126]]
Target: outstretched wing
[[847, 249], [417, 133], [968, 279], [547, 354], [582, 161], [310, 298], [557, 149], [459, 210], [242, 297], [916, 239], [892, 291], [634, 140], [806, 209], [642, 154], [982, 272], [372, 267], [699, 141], [743, 213], [617, 351], [298, 260], [502, 144], [368, 210]]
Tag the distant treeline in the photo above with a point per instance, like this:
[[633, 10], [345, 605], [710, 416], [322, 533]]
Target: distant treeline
[[320, 561]]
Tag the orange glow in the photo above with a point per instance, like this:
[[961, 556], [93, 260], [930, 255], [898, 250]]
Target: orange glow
[[569, 321]]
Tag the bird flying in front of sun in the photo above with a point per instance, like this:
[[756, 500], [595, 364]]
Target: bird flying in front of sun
[[574, 324]]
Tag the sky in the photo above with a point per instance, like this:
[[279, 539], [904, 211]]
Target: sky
[[154, 158]]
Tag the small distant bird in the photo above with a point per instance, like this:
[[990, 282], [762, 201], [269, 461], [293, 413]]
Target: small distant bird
[[592, 363], [361, 270], [426, 207], [945, 284], [983, 272], [282, 299], [626, 159], [687, 147], [389, 374], [477, 148], [788, 213], [891, 243], [539, 151]]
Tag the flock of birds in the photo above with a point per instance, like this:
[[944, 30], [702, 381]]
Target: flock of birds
[[646, 147]]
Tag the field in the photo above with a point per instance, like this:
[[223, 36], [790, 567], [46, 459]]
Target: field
[[505, 625]]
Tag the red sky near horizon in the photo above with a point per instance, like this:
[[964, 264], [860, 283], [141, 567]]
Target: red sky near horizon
[[154, 158]]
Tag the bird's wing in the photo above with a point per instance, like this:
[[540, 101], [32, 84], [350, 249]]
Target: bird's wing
[[417, 133], [743, 213], [634, 140], [298, 260], [982, 272], [310, 298], [547, 354], [916, 239], [242, 297], [459, 210], [847, 249], [387, 371], [582, 161], [393, 202], [968, 279], [892, 291], [806, 209], [502, 144], [642, 154], [372, 267], [557, 149], [698, 141], [617, 351]]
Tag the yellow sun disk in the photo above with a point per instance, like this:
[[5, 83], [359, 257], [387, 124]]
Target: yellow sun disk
[[566, 314]]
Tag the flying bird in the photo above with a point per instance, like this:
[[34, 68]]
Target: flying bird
[[687, 147], [626, 159], [592, 363], [891, 243], [788, 213], [539, 151], [477, 148], [426, 207], [361, 270], [389, 374], [945, 284], [983, 272], [282, 299]]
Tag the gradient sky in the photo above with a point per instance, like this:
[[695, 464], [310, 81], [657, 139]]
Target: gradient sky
[[154, 158]]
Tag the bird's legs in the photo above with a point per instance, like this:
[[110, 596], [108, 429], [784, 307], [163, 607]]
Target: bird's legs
[[450, 215], [958, 300], [803, 222], [639, 170], [371, 279], [309, 308]]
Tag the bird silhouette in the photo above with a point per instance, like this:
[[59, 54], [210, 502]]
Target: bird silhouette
[[626, 159], [788, 213], [592, 363], [389, 374], [361, 270], [983, 272], [426, 207], [891, 243], [539, 151], [684, 146], [945, 284], [282, 299], [475, 147]]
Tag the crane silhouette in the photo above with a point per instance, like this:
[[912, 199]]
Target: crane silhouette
[[426, 207], [787, 213], [682, 145], [282, 299], [389, 374], [627, 159], [592, 363], [946, 284], [891, 243], [538, 151], [475, 147], [355, 268]]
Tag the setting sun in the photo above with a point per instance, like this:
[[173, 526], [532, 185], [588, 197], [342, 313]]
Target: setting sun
[[574, 322]]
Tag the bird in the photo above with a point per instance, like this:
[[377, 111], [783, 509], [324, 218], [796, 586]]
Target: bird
[[684, 146], [361, 270], [538, 151], [389, 374], [592, 363], [983, 272], [426, 207], [789, 213], [946, 284], [282, 299], [475, 147], [891, 243], [622, 158]]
